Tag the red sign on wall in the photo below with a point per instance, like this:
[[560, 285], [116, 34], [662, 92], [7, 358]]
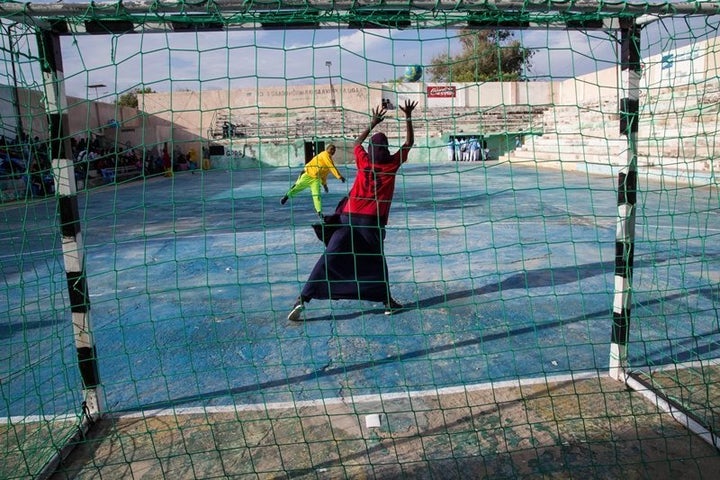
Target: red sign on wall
[[441, 91]]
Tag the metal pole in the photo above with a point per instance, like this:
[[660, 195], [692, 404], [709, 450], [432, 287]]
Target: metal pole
[[142, 7], [627, 197], [69, 218], [332, 90], [16, 95], [96, 86]]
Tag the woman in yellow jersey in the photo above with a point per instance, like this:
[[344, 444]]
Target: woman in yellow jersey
[[315, 175]]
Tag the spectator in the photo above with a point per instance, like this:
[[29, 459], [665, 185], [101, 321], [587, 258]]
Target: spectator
[[192, 159], [485, 152], [41, 182], [166, 161], [474, 149], [451, 150]]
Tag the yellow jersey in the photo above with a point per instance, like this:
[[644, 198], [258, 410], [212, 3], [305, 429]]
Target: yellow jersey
[[320, 166]]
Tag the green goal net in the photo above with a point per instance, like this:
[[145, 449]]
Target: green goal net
[[552, 240]]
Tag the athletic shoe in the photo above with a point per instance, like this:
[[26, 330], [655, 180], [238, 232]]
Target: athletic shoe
[[294, 315], [392, 306], [283, 200]]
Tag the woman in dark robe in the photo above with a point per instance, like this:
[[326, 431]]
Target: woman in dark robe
[[353, 266]]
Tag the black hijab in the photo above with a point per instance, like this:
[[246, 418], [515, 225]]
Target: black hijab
[[379, 152]]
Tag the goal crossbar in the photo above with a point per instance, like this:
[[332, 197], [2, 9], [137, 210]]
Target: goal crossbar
[[218, 15]]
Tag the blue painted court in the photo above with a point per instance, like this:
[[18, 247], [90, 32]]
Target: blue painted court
[[506, 272]]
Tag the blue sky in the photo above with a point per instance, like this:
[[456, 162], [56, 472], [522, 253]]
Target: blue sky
[[222, 60], [236, 59]]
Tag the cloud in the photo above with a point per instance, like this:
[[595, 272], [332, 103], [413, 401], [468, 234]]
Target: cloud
[[565, 54], [245, 58], [222, 60]]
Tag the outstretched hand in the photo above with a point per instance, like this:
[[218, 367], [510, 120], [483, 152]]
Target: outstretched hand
[[408, 108], [326, 188], [378, 115]]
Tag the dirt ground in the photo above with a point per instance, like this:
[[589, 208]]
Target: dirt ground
[[584, 428]]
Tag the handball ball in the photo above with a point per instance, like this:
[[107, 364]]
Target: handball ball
[[413, 73]]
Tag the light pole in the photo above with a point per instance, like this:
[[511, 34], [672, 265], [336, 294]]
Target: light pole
[[15, 95], [95, 86], [332, 90]]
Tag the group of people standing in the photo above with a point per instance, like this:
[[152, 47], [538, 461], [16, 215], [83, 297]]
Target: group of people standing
[[472, 149], [353, 265]]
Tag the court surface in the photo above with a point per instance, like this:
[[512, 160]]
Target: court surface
[[496, 367], [506, 274]]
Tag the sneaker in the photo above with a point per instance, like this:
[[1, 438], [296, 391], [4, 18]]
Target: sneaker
[[294, 315], [283, 200], [392, 306]]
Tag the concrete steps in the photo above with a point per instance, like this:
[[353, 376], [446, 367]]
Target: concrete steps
[[678, 134]]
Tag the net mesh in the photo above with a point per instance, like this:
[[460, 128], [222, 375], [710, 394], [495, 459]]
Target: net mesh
[[503, 252]]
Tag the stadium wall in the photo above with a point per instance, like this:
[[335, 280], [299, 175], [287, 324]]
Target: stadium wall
[[187, 119]]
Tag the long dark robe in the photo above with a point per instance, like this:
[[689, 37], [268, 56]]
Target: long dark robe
[[353, 266]]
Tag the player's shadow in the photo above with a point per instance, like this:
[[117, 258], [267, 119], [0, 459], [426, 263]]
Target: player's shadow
[[345, 369], [680, 351], [10, 329], [532, 279], [527, 280], [412, 355]]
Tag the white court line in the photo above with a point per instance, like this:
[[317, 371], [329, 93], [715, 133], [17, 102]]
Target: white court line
[[40, 418], [325, 402], [714, 362], [352, 399]]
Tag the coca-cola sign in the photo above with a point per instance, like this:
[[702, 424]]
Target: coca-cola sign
[[441, 91]]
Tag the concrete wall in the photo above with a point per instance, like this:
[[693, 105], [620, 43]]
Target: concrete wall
[[8, 117], [195, 111], [186, 119], [113, 124], [693, 66], [470, 95], [590, 89]]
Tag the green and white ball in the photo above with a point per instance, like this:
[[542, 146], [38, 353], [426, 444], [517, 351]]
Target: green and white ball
[[413, 73]]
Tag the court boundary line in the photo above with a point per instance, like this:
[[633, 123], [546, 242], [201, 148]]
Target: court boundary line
[[666, 404], [352, 399], [357, 399]]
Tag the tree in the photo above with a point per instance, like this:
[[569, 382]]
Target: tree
[[487, 56], [130, 99]]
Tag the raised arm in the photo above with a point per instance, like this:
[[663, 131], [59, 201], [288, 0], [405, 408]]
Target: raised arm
[[409, 131], [378, 115]]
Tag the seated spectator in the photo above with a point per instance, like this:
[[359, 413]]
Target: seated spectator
[[167, 161], [41, 182], [181, 163], [192, 159]]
